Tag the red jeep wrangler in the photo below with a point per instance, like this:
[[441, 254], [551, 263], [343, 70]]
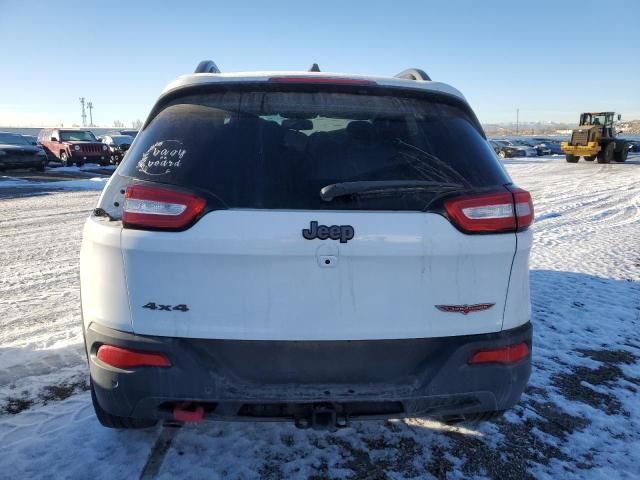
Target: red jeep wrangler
[[73, 146]]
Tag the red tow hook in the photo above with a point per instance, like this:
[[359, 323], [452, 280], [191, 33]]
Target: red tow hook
[[188, 412]]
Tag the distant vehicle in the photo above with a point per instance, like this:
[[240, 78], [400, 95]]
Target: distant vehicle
[[33, 140], [634, 146], [594, 138], [131, 133], [505, 149], [73, 146], [118, 146], [17, 152], [539, 147], [553, 145], [239, 266]]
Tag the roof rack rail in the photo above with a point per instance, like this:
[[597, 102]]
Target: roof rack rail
[[413, 74], [314, 68], [207, 66]]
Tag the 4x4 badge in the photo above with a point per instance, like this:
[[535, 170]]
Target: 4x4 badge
[[344, 233], [465, 309]]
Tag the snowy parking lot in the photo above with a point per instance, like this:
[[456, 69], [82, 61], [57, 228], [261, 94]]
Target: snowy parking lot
[[579, 417]]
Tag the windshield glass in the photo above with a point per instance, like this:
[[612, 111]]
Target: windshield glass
[[122, 139], [590, 119], [13, 139], [279, 149], [77, 136]]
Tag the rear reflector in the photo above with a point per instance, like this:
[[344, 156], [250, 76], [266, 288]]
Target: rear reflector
[[321, 80], [493, 212], [159, 208], [510, 354], [123, 358]]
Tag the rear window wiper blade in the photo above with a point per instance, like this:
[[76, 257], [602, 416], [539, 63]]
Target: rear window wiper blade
[[329, 192]]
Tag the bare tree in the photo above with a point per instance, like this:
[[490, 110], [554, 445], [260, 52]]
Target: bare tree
[[137, 124], [118, 124]]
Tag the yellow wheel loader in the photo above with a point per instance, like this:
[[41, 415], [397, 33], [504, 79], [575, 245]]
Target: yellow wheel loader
[[595, 138]]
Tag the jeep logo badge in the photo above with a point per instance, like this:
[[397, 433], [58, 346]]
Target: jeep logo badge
[[344, 233]]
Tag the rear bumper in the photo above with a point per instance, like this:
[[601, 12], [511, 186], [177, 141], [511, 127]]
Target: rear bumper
[[274, 379]]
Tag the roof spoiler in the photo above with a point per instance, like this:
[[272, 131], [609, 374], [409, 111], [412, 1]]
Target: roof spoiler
[[413, 74], [208, 66]]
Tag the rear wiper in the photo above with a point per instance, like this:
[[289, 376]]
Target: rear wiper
[[329, 192]]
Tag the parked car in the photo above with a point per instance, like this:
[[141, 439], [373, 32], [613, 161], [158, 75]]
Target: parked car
[[310, 246], [551, 144], [504, 149], [118, 146], [634, 146], [17, 152], [33, 140], [540, 148], [130, 133], [73, 146]]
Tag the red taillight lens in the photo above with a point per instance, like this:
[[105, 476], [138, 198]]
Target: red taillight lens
[[488, 213], [493, 212], [524, 208], [322, 80], [159, 208], [123, 358], [510, 354]]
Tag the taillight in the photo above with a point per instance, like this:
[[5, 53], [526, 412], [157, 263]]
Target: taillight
[[491, 212], [524, 207], [157, 208], [124, 358], [322, 80], [510, 354]]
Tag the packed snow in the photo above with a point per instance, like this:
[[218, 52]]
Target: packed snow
[[578, 419]]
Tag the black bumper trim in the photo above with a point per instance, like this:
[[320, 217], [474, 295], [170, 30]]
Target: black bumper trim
[[425, 375]]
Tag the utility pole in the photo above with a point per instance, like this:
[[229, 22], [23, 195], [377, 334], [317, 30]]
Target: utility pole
[[90, 107], [517, 120], [84, 114]]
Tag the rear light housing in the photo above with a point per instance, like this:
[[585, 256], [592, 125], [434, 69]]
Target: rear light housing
[[123, 358], [321, 80], [496, 212], [504, 355], [156, 208], [523, 207]]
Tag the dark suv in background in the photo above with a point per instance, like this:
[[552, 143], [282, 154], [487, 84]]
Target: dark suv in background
[[17, 152], [118, 146], [73, 146]]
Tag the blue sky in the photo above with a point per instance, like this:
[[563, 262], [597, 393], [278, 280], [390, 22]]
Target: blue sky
[[550, 59]]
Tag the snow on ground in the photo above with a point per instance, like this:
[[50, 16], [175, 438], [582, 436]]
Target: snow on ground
[[578, 419], [95, 183]]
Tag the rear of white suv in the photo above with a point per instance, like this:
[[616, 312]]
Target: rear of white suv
[[307, 246]]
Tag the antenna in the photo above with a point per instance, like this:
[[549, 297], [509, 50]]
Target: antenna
[[90, 107], [314, 68], [84, 113]]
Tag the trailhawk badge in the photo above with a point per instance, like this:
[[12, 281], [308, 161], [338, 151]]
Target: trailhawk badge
[[465, 309], [344, 233]]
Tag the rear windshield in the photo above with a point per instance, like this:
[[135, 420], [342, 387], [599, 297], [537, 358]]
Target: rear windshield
[[277, 150]]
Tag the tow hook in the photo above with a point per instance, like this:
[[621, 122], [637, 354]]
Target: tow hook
[[188, 412], [322, 417]]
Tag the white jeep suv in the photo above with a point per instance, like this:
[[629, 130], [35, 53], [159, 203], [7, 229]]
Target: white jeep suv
[[307, 246]]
